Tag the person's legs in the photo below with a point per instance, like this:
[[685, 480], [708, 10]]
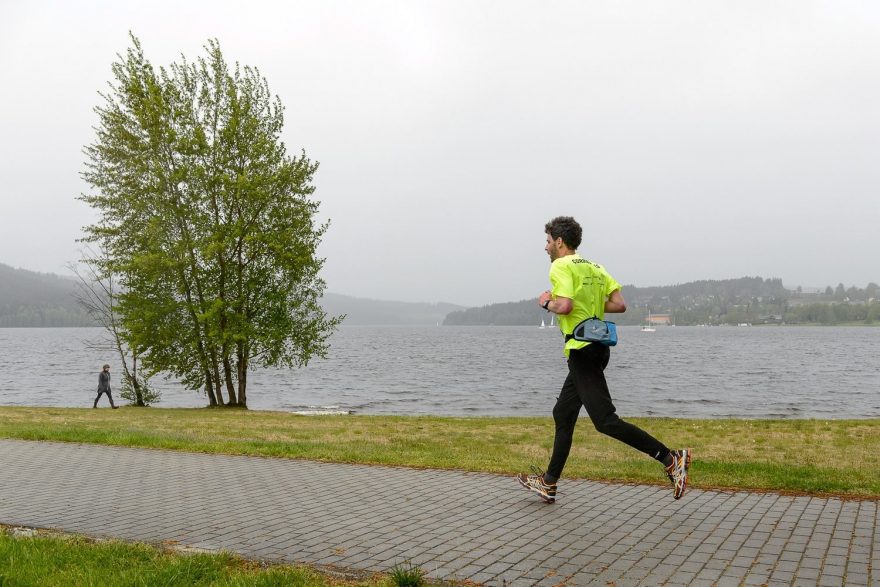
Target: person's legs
[[587, 367], [109, 397], [585, 385], [565, 415]]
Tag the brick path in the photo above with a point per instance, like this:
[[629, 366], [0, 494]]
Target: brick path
[[453, 525]]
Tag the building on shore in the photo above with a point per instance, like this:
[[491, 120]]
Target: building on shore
[[659, 319]]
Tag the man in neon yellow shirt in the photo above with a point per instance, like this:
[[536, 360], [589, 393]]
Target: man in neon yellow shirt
[[580, 290]]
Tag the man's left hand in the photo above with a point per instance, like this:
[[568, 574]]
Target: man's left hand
[[542, 299]]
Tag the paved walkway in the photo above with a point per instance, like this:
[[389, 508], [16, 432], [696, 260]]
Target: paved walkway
[[453, 525]]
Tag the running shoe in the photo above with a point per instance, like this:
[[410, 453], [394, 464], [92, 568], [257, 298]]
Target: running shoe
[[678, 471], [535, 483]]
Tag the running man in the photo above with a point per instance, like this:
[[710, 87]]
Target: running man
[[582, 289]]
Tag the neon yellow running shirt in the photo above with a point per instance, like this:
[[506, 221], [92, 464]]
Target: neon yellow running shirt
[[587, 285]]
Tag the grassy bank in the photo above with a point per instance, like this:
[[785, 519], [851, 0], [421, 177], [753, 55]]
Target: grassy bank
[[71, 560], [822, 457]]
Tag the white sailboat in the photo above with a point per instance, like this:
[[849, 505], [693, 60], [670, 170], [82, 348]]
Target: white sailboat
[[542, 324], [648, 326]]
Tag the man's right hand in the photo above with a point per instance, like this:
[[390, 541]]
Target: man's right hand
[[615, 304]]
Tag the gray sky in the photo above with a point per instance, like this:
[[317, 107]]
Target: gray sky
[[693, 140]]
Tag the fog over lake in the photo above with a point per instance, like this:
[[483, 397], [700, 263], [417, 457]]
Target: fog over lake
[[694, 140]]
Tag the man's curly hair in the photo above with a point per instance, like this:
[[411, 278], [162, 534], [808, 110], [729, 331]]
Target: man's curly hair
[[567, 228]]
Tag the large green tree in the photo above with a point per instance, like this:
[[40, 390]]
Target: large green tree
[[207, 222]]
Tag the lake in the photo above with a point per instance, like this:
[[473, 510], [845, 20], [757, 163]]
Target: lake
[[693, 372]]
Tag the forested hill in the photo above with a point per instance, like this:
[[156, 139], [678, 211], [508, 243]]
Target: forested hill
[[30, 299], [38, 299], [751, 300]]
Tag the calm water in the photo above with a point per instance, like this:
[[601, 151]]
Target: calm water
[[694, 372]]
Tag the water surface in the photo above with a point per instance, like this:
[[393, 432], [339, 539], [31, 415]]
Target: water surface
[[694, 372]]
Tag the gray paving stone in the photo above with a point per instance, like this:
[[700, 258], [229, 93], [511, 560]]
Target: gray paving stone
[[743, 562], [857, 579], [620, 534], [781, 577], [834, 570], [725, 555], [756, 579], [829, 581], [808, 573], [711, 575]]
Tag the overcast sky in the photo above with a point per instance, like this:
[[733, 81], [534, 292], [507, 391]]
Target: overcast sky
[[693, 140]]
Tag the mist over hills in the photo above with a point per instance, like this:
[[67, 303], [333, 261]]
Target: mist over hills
[[367, 312], [28, 298], [31, 299]]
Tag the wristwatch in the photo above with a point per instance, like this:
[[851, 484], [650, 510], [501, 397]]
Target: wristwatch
[[546, 305]]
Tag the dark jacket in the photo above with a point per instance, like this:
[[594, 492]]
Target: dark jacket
[[104, 381]]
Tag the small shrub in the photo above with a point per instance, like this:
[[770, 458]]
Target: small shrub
[[149, 396], [407, 576]]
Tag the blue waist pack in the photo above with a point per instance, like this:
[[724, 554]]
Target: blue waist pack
[[595, 330]]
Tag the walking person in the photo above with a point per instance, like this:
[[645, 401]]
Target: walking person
[[580, 290], [104, 386]]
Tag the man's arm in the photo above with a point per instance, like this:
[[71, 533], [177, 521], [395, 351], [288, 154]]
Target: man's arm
[[557, 305], [615, 304]]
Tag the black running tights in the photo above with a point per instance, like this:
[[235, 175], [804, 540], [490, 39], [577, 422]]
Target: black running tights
[[586, 386]]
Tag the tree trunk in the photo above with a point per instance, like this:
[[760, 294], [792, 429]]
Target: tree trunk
[[207, 351], [200, 347], [240, 364], [131, 376], [224, 321], [230, 385], [209, 389], [218, 383], [242, 367], [138, 393]]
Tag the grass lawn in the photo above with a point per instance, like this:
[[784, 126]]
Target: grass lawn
[[819, 457], [62, 561]]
